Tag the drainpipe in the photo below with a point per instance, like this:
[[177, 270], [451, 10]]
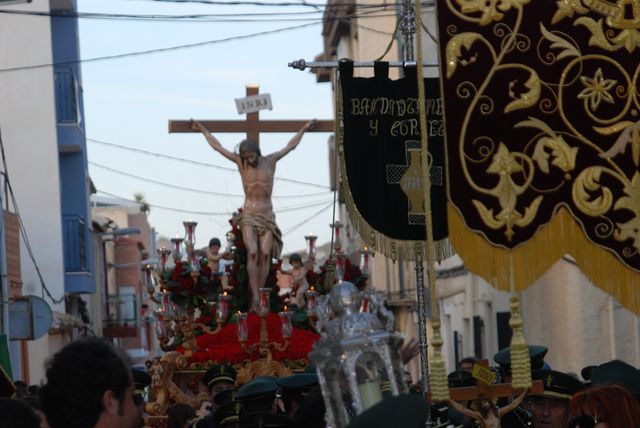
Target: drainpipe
[[3, 274]]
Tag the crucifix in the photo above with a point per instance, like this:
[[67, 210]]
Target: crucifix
[[252, 126], [260, 233], [487, 413]]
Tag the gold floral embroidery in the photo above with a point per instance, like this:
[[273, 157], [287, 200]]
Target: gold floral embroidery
[[596, 89]]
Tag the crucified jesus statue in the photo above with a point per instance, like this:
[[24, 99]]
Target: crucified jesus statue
[[260, 234], [488, 415]]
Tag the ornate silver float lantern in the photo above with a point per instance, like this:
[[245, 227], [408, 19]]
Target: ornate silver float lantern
[[358, 354]]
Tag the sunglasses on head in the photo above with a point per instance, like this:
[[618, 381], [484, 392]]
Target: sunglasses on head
[[583, 421]]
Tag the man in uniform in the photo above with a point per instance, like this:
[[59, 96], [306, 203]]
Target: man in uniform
[[260, 233], [141, 380], [218, 379], [519, 417], [550, 409]]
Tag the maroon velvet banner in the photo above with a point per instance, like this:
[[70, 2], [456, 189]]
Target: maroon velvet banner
[[542, 114]]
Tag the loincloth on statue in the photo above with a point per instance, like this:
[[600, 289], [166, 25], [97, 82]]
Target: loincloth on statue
[[262, 224]]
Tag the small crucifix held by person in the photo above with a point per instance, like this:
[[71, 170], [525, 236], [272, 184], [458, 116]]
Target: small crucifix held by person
[[260, 234]]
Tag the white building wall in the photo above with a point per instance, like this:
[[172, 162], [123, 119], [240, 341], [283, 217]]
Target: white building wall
[[579, 323], [28, 124]]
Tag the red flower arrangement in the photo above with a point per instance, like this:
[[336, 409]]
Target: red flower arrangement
[[186, 289], [225, 348]]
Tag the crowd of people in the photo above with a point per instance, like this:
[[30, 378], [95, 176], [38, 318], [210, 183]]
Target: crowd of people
[[90, 384]]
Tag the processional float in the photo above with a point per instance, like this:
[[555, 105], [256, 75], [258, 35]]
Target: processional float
[[199, 325]]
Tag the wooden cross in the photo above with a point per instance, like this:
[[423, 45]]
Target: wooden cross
[[252, 125], [482, 389]]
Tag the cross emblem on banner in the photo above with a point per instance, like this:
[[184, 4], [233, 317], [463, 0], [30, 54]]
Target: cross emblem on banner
[[252, 126], [409, 177]]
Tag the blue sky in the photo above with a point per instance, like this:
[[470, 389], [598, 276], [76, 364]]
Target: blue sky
[[129, 101]]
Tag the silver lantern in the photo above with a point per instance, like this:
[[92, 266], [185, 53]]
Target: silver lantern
[[358, 356]]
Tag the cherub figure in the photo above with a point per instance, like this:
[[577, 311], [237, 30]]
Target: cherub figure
[[156, 371], [488, 414]]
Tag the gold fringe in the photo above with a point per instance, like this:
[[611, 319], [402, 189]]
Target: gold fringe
[[395, 249], [437, 374], [520, 361], [562, 235]]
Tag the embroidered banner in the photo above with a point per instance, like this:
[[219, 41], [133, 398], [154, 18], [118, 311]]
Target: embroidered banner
[[543, 137], [380, 148]]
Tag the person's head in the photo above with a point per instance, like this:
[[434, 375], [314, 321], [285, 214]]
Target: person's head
[[604, 406], [141, 380], [214, 245], [228, 414], [17, 414], [485, 406], [536, 358], [617, 372], [249, 152], [259, 394], [180, 416], [89, 382], [550, 408], [466, 364], [295, 388], [218, 378], [295, 260], [33, 401], [22, 389], [204, 408]]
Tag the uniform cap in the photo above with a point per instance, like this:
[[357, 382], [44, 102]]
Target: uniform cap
[[557, 384], [536, 355], [617, 372], [217, 373], [141, 380]]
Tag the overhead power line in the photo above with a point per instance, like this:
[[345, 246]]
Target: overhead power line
[[193, 162], [189, 189], [308, 219], [198, 17], [210, 213], [180, 47], [158, 50]]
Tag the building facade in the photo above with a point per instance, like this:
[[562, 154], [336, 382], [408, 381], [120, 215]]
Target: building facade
[[41, 119]]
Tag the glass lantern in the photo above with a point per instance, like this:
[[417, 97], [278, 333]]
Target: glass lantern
[[312, 295], [177, 253], [163, 254], [222, 311], [357, 357], [285, 323], [263, 305], [311, 245], [190, 232], [365, 262], [337, 238], [243, 329]]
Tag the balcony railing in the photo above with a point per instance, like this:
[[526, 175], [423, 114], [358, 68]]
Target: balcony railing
[[121, 316], [75, 243], [66, 96], [122, 309]]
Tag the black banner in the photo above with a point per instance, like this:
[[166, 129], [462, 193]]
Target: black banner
[[381, 152]]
